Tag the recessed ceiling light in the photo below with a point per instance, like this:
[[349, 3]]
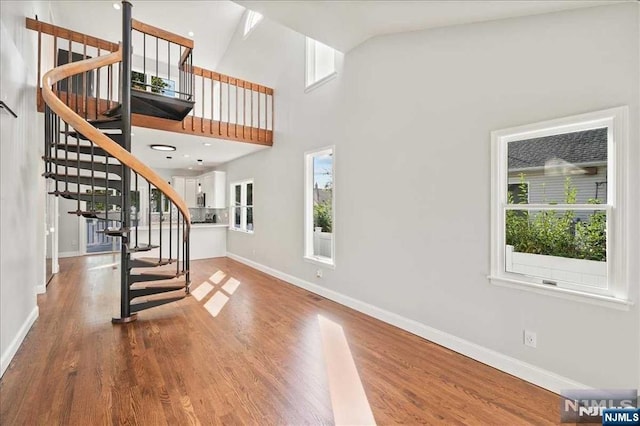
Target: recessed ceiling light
[[186, 155], [199, 161], [206, 144], [116, 6], [160, 147], [169, 157], [190, 33], [133, 134], [190, 168]]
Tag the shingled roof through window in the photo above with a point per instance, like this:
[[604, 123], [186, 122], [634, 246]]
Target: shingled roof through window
[[589, 146]]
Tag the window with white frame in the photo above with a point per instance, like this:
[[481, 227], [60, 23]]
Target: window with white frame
[[241, 214], [558, 206], [319, 206], [320, 63], [252, 19]]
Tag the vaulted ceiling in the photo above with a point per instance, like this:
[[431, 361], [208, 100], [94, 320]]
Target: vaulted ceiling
[[346, 24], [212, 22]]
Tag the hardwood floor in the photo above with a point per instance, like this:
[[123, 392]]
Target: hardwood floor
[[259, 361]]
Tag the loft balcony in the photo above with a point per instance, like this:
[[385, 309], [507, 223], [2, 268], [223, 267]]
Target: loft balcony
[[168, 92]]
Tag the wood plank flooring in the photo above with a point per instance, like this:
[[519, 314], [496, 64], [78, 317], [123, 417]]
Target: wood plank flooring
[[259, 361]]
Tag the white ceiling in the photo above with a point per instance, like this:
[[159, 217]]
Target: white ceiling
[[220, 151], [212, 22], [346, 24]]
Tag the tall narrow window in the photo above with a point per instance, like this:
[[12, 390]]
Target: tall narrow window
[[241, 217], [321, 63], [559, 220], [252, 19], [319, 206]]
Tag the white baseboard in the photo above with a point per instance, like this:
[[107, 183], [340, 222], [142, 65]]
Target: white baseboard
[[525, 371], [10, 352], [41, 289], [69, 254]]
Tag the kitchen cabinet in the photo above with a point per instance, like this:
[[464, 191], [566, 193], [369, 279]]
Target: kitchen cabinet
[[191, 191], [214, 187], [187, 188], [178, 185]]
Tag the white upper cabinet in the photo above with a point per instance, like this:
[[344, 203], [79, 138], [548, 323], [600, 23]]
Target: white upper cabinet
[[178, 185], [212, 184], [187, 188], [191, 191], [214, 187]]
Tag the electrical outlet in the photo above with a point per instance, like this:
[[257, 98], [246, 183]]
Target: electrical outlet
[[530, 338], [319, 273]]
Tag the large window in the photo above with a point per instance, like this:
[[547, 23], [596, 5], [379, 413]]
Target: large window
[[241, 214], [321, 63], [319, 206], [558, 201]]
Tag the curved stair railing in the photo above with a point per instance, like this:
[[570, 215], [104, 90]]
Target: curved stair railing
[[88, 164]]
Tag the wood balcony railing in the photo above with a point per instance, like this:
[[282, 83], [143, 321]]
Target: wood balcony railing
[[225, 107]]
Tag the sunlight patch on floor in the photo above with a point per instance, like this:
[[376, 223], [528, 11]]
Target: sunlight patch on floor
[[202, 291], [216, 303], [217, 277], [231, 285], [110, 265], [348, 399]]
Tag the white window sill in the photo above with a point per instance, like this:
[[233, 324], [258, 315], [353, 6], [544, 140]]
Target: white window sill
[[242, 231], [322, 261], [320, 82], [563, 293]]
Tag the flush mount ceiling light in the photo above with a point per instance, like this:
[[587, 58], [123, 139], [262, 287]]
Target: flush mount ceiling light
[[160, 147], [116, 6]]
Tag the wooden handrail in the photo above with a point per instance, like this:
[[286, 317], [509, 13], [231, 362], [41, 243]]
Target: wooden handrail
[[68, 34], [184, 56], [160, 33], [205, 73], [94, 135]]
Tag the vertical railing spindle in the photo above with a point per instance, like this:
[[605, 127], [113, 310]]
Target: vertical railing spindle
[[69, 79], [39, 81], [98, 88], [85, 95], [202, 102]]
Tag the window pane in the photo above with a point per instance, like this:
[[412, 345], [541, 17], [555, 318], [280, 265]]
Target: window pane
[[252, 20], [238, 195], [560, 169], [236, 217], [310, 61], [249, 218], [249, 194], [323, 205], [566, 246], [325, 61]]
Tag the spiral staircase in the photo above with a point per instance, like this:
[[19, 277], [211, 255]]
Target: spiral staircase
[[89, 160]]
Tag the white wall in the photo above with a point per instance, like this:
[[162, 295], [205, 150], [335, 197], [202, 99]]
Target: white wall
[[22, 189], [410, 116]]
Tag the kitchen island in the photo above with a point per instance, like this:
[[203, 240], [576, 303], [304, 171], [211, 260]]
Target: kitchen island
[[207, 240]]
